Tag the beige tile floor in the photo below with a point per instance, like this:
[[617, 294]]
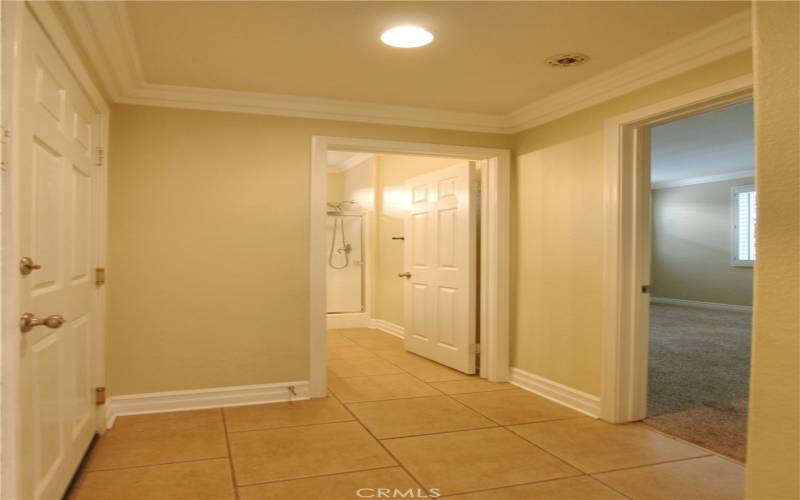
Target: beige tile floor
[[395, 420]]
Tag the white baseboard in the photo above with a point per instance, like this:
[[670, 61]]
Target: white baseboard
[[346, 320], [561, 394], [388, 327], [159, 402], [700, 305]]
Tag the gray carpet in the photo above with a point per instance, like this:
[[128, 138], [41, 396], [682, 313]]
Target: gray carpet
[[698, 376]]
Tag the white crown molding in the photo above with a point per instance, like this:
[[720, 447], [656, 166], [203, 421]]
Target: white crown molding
[[706, 179], [355, 160], [159, 402], [107, 36], [105, 31], [719, 40]]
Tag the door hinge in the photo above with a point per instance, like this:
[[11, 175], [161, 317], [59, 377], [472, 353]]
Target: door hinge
[[100, 276], [101, 156], [474, 348], [99, 395]]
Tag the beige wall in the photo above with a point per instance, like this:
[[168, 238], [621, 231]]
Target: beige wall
[[359, 184], [773, 466], [692, 245], [201, 296], [335, 187], [393, 171], [557, 245], [208, 244]]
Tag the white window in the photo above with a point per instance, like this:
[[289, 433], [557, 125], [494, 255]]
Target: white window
[[743, 210]]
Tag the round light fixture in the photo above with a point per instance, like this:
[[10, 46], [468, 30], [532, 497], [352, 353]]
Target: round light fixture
[[407, 37]]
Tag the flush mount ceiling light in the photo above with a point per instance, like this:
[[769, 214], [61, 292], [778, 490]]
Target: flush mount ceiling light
[[407, 37], [566, 60]]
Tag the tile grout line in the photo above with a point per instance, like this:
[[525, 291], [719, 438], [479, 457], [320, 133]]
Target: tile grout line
[[399, 463], [580, 473], [450, 396], [632, 467], [283, 427], [158, 464], [500, 488], [230, 455], [330, 474], [695, 445], [498, 424]]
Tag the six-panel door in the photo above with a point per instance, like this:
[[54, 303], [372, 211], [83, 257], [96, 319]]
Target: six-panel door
[[441, 256], [58, 136]]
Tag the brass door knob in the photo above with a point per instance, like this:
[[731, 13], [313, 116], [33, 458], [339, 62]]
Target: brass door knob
[[28, 321], [26, 266]]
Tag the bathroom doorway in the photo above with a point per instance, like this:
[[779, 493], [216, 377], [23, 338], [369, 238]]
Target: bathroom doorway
[[360, 270], [420, 217]]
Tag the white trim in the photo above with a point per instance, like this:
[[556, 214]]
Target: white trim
[[701, 305], [719, 40], [12, 20], [347, 320], [52, 26], [107, 36], [734, 206], [560, 393], [706, 179], [106, 32], [353, 161], [495, 260], [627, 241], [159, 402], [388, 327]]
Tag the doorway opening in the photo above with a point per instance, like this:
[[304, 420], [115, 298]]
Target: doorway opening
[[627, 255], [402, 241], [378, 210], [703, 206]]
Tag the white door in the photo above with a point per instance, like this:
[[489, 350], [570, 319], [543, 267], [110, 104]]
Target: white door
[[56, 139], [441, 266]]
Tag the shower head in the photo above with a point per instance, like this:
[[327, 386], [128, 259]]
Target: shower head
[[343, 205]]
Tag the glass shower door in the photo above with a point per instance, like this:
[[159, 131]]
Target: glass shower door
[[345, 270]]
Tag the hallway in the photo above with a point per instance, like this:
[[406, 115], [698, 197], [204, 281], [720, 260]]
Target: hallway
[[398, 421]]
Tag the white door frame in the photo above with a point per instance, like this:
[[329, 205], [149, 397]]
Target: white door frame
[[495, 246], [12, 20], [623, 396]]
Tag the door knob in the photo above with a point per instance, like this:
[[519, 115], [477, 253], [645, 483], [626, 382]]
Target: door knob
[[26, 266], [404, 275], [28, 321]]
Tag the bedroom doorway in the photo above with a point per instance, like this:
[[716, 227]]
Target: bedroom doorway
[[703, 205]]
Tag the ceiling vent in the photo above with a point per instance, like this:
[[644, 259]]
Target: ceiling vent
[[566, 60]]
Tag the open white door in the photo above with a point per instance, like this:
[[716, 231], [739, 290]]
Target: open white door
[[57, 143], [441, 266]]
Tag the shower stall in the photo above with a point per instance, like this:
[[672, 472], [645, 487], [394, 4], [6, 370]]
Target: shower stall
[[345, 258]]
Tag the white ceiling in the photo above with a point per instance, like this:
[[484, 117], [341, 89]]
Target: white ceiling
[[485, 70], [717, 144], [488, 57]]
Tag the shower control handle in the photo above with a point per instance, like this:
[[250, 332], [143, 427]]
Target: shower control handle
[[404, 275]]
